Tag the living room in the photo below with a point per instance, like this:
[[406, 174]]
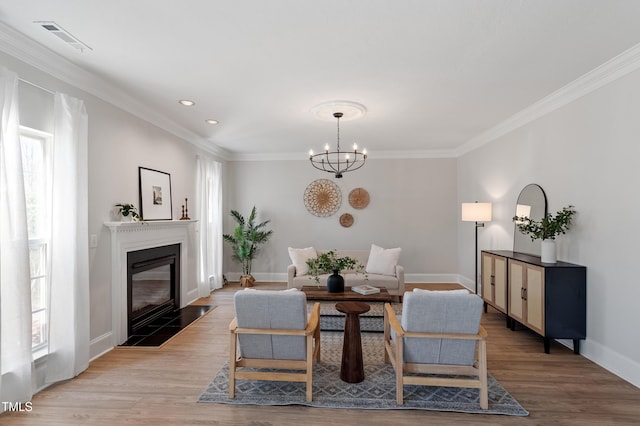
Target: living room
[[576, 142]]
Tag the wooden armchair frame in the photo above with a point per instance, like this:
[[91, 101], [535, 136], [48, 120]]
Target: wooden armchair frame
[[312, 334], [394, 354]]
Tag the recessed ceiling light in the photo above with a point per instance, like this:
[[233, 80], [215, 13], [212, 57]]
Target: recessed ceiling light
[[186, 102], [211, 121]]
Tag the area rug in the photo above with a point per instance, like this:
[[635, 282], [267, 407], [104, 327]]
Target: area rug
[[372, 322], [377, 391]]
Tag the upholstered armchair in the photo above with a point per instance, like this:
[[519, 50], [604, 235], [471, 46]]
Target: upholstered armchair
[[437, 335], [271, 331]]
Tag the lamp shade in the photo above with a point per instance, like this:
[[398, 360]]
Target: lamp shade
[[476, 212]]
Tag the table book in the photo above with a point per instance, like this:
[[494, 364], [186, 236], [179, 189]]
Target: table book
[[365, 289]]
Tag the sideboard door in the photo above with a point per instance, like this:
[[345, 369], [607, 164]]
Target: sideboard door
[[535, 298], [516, 290]]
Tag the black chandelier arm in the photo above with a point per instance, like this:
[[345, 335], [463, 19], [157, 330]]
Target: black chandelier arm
[[338, 162], [324, 162]]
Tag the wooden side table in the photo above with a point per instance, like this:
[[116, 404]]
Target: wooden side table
[[352, 368]]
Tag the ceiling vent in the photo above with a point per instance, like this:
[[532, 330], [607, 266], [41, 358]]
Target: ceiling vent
[[63, 35]]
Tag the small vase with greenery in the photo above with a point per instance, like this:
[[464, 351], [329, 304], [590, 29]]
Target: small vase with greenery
[[549, 227], [546, 229], [328, 262], [245, 241], [129, 210]]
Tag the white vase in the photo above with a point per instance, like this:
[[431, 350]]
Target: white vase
[[126, 218], [548, 251]]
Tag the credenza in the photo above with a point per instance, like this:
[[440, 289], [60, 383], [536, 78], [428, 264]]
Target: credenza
[[548, 298]]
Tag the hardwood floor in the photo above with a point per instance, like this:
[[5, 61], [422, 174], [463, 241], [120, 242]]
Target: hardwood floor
[[160, 386]]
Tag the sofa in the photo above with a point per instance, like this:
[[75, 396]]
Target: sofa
[[382, 269]]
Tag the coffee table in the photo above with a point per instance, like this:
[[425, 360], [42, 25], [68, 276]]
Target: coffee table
[[321, 293], [352, 368]]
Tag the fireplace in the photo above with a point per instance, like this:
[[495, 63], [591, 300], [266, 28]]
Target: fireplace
[[153, 284], [130, 237]]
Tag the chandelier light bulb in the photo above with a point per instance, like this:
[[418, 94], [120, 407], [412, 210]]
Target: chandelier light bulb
[[364, 151], [337, 161]]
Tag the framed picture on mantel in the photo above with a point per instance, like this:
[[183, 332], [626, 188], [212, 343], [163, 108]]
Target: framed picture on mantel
[[155, 194]]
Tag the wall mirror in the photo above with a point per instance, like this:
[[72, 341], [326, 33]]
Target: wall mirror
[[532, 203]]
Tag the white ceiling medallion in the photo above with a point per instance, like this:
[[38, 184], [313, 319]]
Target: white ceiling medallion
[[350, 110]]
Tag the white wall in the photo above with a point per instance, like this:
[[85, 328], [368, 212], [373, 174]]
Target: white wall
[[412, 206], [119, 143], [584, 154]]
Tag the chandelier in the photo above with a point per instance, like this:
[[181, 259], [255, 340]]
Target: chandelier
[[338, 162]]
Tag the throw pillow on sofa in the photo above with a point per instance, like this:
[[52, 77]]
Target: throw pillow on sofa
[[383, 261], [299, 259]]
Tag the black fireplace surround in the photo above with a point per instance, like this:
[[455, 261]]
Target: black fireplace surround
[[153, 284]]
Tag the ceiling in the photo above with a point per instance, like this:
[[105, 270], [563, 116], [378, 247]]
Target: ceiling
[[433, 74]]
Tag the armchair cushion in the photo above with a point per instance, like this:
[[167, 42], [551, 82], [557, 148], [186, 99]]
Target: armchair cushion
[[271, 309], [440, 313], [444, 292], [383, 261]]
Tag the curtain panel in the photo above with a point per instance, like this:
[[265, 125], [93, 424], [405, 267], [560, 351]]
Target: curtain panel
[[17, 378], [69, 305], [209, 208]]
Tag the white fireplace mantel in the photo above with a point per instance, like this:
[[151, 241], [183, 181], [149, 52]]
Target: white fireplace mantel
[[132, 236]]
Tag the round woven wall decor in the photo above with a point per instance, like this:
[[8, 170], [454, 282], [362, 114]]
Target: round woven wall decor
[[359, 198], [346, 220], [322, 198]]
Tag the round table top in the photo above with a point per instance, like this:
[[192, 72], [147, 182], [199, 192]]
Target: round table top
[[352, 307]]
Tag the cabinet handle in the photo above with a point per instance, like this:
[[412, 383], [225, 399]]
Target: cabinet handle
[[522, 293], [525, 294]]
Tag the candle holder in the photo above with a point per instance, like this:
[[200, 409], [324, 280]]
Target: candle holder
[[185, 210]]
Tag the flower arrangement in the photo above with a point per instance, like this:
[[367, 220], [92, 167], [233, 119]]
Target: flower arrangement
[[330, 262], [549, 227]]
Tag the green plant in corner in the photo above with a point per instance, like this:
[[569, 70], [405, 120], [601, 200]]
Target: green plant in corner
[[245, 241], [549, 227], [127, 209], [330, 262]]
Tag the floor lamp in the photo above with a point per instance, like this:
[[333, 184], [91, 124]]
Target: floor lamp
[[478, 213]]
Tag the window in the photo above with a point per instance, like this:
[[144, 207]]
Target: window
[[36, 164]]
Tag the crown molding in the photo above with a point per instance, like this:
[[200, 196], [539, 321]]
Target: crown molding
[[32, 53], [22, 48], [617, 67], [377, 155]]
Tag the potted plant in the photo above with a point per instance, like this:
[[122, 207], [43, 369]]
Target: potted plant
[[546, 229], [330, 262], [246, 239], [129, 212]]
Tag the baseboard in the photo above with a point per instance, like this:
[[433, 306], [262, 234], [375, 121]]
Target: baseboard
[[265, 277], [431, 278], [620, 365], [100, 345], [191, 297]]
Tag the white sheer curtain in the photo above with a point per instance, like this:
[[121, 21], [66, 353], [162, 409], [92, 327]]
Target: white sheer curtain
[[16, 360], [69, 305], [209, 208]]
